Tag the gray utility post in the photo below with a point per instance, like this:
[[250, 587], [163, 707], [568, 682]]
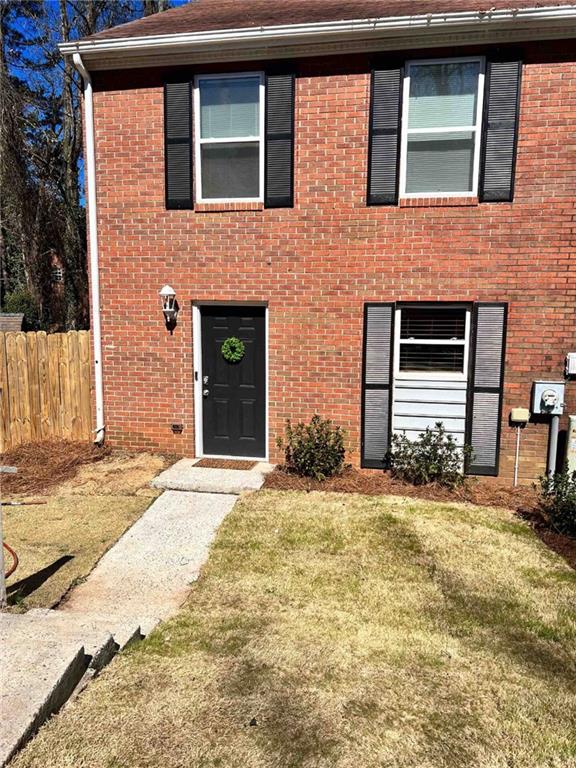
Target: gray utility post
[[3, 601]]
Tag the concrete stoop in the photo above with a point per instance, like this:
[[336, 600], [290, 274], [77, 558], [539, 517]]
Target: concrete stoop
[[62, 652], [186, 476]]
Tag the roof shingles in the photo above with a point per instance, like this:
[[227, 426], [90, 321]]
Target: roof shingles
[[206, 15]]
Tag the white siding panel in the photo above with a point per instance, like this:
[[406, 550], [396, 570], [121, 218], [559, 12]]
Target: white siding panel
[[434, 410], [429, 395], [421, 422], [421, 403], [415, 434]]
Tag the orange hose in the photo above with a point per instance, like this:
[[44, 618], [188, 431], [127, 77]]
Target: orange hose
[[11, 570]]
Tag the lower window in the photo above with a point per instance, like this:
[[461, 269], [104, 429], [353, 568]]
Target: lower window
[[431, 369], [416, 363]]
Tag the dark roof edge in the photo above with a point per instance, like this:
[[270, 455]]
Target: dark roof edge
[[386, 33]]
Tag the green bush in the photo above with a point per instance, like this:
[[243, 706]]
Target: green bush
[[21, 300], [314, 450], [433, 458], [559, 498]]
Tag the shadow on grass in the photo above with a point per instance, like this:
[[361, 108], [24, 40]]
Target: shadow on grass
[[21, 589], [510, 627]]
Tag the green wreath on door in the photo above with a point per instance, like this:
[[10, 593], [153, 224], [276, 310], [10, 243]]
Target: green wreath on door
[[233, 349]]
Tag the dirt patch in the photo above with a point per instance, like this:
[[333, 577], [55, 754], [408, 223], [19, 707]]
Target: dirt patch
[[119, 473], [524, 500], [65, 468], [41, 466]]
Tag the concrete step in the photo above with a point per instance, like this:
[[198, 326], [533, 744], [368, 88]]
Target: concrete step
[[92, 628], [39, 672], [185, 476], [46, 656]]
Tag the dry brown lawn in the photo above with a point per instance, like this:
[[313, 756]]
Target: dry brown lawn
[[59, 542], [345, 631]]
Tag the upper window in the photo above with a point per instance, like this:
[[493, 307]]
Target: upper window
[[441, 127], [432, 340], [229, 129]]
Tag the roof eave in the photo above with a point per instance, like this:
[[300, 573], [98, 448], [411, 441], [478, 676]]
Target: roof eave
[[468, 27]]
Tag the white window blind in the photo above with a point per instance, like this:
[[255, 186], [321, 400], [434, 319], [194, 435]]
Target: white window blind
[[441, 136], [229, 137], [229, 107], [433, 340]]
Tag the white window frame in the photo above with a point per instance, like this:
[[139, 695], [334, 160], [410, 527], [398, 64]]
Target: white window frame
[[432, 375], [476, 129], [198, 141]]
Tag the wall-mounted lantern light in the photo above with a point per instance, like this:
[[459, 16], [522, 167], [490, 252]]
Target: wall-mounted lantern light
[[169, 306]]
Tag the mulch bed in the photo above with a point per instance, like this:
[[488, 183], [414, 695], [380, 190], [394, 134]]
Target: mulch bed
[[373, 483], [524, 500], [225, 464], [43, 465]]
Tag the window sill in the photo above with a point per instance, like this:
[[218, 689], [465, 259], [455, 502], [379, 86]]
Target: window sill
[[231, 206], [438, 202], [430, 376]]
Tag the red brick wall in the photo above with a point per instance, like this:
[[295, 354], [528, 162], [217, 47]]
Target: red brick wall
[[317, 264]]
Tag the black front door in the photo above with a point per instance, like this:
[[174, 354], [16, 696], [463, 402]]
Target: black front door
[[234, 393]]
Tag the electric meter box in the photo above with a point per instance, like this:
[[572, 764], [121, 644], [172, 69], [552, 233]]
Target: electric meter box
[[571, 364], [548, 398]]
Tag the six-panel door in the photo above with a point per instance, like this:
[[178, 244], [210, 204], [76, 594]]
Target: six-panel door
[[234, 393]]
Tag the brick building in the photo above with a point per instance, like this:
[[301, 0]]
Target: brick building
[[376, 197]]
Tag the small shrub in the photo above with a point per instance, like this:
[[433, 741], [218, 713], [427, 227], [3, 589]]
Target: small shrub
[[21, 300], [559, 497], [314, 450], [433, 458]]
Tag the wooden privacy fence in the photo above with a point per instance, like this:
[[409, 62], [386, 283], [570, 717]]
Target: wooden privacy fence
[[45, 387]]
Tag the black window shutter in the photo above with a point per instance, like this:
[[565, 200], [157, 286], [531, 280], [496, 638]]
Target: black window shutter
[[377, 384], [178, 144], [384, 134], [486, 387], [500, 130], [279, 150]]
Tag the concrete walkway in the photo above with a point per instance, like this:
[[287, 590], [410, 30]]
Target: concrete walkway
[[45, 655]]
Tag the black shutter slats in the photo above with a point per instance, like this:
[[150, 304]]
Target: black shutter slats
[[279, 152], [178, 144], [384, 135], [377, 384], [487, 380], [500, 130]]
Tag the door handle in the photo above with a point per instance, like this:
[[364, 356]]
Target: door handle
[[205, 392]]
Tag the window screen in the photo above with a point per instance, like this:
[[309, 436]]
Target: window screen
[[432, 339], [442, 134]]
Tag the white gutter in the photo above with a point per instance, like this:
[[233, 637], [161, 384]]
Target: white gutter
[[90, 170], [378, 27]]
